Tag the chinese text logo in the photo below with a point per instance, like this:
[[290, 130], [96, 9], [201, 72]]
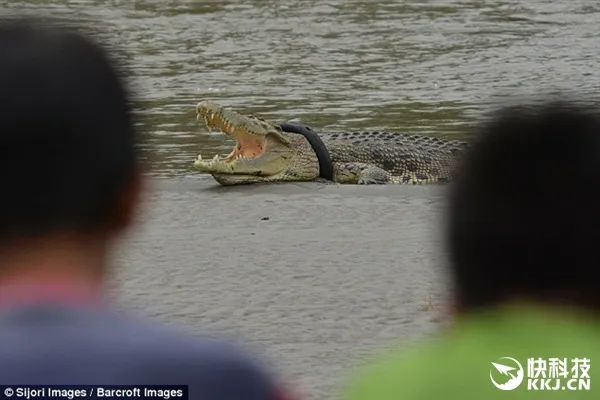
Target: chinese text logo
[[542, 374]]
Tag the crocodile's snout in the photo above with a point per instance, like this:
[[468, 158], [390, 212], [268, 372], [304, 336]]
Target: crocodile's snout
[[206, 108]]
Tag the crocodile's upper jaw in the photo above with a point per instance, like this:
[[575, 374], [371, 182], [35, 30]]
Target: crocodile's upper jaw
[[263, 152]]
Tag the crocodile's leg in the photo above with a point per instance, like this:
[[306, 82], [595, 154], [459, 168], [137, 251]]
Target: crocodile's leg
[[360, 173]]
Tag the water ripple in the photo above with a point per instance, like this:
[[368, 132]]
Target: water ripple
[[430, 68]]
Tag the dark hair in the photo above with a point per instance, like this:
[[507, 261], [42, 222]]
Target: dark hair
[[524, 209], [67, 141]]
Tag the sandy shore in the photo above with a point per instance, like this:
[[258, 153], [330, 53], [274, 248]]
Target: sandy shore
[[311, 277]]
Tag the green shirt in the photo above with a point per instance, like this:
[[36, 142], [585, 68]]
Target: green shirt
[[459, 365]]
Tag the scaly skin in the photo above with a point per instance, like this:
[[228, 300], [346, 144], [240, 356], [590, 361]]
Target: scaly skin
[[265, 153]]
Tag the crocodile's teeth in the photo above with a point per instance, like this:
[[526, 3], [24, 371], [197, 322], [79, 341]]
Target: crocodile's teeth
[[199, 156], [216, 157]]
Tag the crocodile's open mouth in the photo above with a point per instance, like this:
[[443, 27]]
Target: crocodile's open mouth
[[262, 150], [250, 142]]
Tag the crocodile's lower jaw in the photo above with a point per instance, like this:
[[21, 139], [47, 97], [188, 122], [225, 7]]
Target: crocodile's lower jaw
[[215, 165], [237, 169]]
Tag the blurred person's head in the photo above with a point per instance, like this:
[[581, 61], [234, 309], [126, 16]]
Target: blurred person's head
[[68, 169], [524, 210]]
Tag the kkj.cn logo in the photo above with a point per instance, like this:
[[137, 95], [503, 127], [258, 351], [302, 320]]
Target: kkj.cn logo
[[507, 373], [511, 369]]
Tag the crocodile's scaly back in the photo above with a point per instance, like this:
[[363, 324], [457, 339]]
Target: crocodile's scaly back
[[408, 158], [428, 143]]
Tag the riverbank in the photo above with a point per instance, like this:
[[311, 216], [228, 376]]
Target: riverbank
[[310, 276]]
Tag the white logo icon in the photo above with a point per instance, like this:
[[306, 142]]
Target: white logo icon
[[514, 381]]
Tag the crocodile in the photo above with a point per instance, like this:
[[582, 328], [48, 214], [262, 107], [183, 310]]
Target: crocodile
[[283, 152]]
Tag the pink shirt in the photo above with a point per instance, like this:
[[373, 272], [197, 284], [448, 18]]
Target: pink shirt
[[32, 293]]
